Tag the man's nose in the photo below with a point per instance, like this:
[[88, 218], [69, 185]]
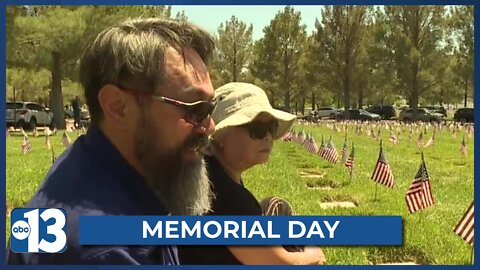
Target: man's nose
[[207, 126]]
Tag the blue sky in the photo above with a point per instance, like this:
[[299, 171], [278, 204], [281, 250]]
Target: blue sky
[[210, 17]]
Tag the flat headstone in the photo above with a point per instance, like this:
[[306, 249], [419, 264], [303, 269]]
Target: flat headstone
[[399, 263], [320, 188], [328, 205]]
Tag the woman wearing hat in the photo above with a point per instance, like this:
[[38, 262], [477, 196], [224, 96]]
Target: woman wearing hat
[[246, 126]]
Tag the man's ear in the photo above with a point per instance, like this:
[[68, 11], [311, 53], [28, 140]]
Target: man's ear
[[114, 102]]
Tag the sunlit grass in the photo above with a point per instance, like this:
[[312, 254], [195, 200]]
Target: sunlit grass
[[428, 235]]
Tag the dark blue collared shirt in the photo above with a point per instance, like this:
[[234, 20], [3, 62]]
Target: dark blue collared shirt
[[92, 178]]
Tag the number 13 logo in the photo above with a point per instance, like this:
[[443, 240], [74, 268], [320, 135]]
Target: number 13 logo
[[38, 230]]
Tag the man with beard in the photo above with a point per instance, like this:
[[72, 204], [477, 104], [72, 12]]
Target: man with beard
[[150, 98]]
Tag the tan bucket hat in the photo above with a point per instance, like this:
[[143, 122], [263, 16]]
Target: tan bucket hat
[[240, 103]]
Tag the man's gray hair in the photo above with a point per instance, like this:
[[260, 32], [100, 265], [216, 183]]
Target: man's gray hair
[[132, 55]]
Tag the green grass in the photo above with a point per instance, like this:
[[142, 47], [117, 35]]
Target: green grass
[[428, 234]]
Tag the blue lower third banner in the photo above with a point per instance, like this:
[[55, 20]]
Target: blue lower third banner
[[240, 230]]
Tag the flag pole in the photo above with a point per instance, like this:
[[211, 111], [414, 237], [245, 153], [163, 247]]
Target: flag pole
[[53, 155], [471, 256], [375, 196]]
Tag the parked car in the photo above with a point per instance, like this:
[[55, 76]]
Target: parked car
[[385, 111], [422, 115], [328, 112], [360, 114], [437, 109], [27, 115], [464, 115]]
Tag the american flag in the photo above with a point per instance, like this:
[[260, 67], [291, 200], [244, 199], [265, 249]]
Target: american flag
[[431, 141], [322, 147], [410, 135], [26, 146], [47, 141], [463, 147], [420, 140], [344, 150], [330, 152], [465, 226], [419, 194], [372, 134], [393, 138], [383, 173], [65, 139], [23, 132], [350, 162], [286, 137], [307, 140], [294, 136], [311, 145], [53, 156], [47, 131], [301, 137]]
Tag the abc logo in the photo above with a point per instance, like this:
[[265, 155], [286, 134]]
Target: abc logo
[[38, 230], [20, 230]]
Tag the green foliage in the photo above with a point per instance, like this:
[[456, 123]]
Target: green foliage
[[234, 44], [278, 53], [414, 37], [340, 40], [30, 85], [357, 56]]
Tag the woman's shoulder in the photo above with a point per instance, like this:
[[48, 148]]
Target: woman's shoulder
[[230, 198]]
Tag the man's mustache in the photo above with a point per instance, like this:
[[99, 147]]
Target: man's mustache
[[197, 142]]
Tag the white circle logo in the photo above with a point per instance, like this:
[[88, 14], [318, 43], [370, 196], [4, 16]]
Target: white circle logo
[[20, 230]]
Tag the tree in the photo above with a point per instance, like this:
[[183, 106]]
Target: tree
[[278, 54], [414, 37], [382, 79], [53, 38], [234, 45], [339, 38], [461, 22], [29, 85]]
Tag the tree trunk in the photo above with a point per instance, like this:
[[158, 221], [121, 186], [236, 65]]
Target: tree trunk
[[360, 98], [234, 71], [303, 105], [313, 101], [466, 94], [286, 87], [57, 96]]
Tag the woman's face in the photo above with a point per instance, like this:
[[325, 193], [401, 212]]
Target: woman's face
[[248, 145]]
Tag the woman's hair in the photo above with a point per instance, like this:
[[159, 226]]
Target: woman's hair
[[275, 206]]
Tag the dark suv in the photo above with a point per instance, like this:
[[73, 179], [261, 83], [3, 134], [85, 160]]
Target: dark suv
[[385, 111], [464, 115]]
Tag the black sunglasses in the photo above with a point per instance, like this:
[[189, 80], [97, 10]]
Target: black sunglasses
[[195, 112], [258, 129]]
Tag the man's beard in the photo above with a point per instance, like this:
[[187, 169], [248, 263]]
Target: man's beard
[[183, 187]]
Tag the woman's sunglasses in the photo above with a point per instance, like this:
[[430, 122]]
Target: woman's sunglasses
[[259, 130], [195, 112]]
